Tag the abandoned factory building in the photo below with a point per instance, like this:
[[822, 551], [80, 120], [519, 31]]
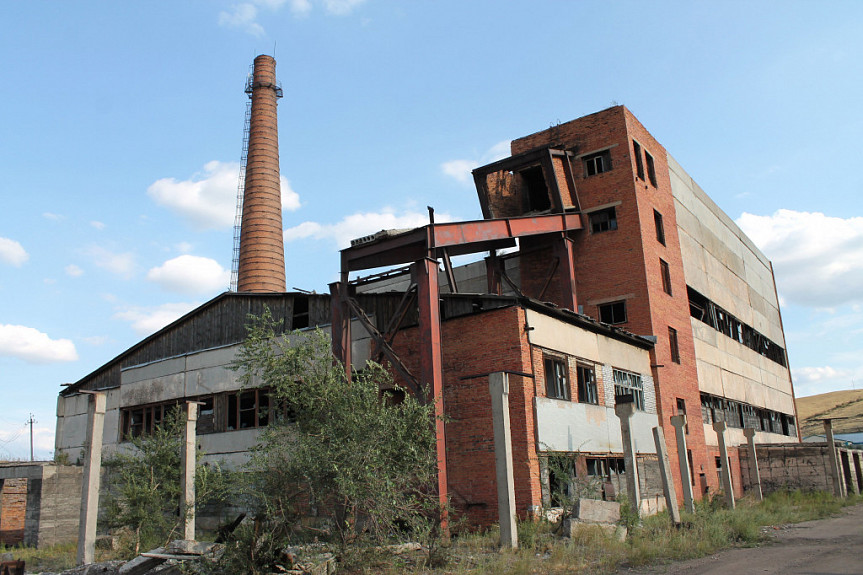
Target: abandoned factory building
[[601, 269]]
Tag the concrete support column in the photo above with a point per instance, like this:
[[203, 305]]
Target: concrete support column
[[724, 473], [848, 472], [838, 479], [625, 411], [498, 384], [187, 495], [92, 479], [754, 473], [665, 472], [679, 423]]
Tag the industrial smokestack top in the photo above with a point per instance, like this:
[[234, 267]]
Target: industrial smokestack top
[[262, 251]]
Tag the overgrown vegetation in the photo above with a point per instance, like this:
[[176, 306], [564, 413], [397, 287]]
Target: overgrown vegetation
[[337, 465], [143, 487]]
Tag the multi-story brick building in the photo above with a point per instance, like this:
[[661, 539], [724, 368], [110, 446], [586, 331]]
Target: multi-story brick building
[[620, 276]]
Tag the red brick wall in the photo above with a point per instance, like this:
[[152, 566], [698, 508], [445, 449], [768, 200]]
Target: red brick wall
[[472, 347], [13, 508], [624, 263]]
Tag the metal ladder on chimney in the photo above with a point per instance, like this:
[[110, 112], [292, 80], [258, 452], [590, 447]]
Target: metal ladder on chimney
[[241, 188]]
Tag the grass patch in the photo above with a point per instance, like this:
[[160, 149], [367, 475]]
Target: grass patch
[[52, 559]]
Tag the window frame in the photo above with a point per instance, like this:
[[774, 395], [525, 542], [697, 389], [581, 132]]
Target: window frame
[[260, 413], [596, 163], [651, 168], [588, 391], [631, 383], [639, 161], [673, 345], [660, 227], [665, 272], [598, 225], [615, 320], [556, 387]]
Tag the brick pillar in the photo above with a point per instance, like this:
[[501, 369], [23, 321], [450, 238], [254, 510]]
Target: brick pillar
[[262, 250]]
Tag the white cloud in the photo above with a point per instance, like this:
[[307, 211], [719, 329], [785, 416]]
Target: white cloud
[[51, 216], [361, 224], [817, 259], [191, 275], [460, 170], [245, 15], [73, 271], [209, 199], [147, 320], [242, 16], [97, 224], [34, 346], [13, 253], [121, 264], [823, 379]]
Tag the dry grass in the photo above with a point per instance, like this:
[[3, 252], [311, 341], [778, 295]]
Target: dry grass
[[836, 404]]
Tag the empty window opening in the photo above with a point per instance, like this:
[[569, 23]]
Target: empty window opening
[[597, 163], [613, 313], [639, 164], [587, 392], [301, 312], [537, 191], [673, 346], [556, 379], [740, 415], [716, 317], [603, 220], [628, 383], [660, 229], [666, 276], [561, 476], [651, 170], [691, 467]]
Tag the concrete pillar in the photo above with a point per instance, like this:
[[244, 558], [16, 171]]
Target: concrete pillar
[[679, 423], [858, 469], [838, 479], [187, 495], [498, 384], [625, 411], [848, 472], [665, 472], [754, 473], [92, 478], [724, 473]]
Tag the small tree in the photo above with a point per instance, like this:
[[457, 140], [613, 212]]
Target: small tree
[[144, 485], [334, 449]]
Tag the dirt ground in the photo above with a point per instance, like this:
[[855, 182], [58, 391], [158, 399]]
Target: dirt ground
[[825, 547]]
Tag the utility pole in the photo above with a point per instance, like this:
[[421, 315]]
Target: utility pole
[[31, 422]]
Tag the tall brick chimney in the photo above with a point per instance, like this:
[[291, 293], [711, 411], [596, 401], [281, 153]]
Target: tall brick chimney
[[262, 251]]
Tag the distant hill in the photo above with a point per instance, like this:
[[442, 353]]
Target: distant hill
[[836, 404]]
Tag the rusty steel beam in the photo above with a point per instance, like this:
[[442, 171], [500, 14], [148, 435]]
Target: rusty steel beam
[[431, 366]]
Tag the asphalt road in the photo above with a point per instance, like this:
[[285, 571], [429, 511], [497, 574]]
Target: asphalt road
[[825, 547]]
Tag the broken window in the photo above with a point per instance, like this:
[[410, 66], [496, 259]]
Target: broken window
[[143, 419], [673, 346], [613, 313], [597, 163], [639, 164], [561, 474], [537, 196], [556, 379], [651, 170], [705, 310], [666, 276], [587, 392], [248, 409], [603, 220], [660, 229], [628, 383]]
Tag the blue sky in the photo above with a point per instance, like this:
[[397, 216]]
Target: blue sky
[[121, 127]]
